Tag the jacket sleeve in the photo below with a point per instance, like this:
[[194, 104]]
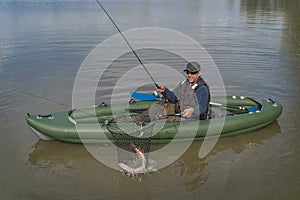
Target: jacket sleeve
[[170, 96], [202, 99]]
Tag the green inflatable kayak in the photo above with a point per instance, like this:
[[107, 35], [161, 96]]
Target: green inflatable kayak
[[89, 125]]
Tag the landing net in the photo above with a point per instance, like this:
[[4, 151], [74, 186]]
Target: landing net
[[129, 133]]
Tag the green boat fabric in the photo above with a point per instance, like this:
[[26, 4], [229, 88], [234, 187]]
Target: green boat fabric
[[85, 125]]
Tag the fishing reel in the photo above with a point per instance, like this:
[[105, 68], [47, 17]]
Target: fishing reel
[[158, 94]]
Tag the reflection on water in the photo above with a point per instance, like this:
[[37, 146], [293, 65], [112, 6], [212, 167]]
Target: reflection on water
[[254, 43], [56, 153], [64, 154], [188, 173]]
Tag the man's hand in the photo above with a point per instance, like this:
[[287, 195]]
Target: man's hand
[[187, 112], [160, 88]]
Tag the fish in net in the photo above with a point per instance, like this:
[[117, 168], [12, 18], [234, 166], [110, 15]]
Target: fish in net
[[132, 137]]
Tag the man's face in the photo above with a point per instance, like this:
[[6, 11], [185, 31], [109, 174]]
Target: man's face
[[192, 76]]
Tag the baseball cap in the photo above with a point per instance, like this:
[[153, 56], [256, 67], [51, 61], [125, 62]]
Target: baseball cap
[[192, 67]]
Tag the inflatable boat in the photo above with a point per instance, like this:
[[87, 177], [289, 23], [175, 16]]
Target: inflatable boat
[[91, 125]]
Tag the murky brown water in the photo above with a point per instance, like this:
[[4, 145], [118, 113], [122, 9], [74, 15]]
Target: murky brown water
[[256, 46]]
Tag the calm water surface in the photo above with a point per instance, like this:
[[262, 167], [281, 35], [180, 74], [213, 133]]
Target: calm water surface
[[255, 44]]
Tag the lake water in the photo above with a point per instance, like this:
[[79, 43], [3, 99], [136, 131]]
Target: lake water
[[255, 44]]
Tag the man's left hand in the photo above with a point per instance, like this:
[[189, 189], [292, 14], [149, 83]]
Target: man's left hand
[[187, 112]]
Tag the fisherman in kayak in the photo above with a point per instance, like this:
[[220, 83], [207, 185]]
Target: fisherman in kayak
[[191, 96]]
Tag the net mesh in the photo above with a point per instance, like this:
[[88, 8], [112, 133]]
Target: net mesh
[[129, 132]]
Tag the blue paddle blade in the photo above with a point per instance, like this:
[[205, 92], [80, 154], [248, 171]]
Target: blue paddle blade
[[143, 97]]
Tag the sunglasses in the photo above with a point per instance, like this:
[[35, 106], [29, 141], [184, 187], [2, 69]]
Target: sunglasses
[[192, 73]]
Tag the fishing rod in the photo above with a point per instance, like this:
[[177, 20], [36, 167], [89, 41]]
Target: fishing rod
[[133, 51], [62, 104]]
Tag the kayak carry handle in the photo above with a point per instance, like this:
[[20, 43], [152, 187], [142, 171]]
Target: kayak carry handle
[[71, 111], [103, 105], [271, 100], [40, 116], [132, 101]]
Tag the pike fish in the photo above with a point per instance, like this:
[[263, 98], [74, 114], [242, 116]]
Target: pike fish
[[142, 159]]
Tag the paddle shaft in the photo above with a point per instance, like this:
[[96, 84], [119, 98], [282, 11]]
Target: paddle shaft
[[228, 106], [133, 51], [170, 115]]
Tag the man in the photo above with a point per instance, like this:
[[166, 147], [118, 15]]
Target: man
[[192, 95]]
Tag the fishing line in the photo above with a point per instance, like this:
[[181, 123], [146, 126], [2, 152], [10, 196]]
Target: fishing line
[[127, 43], [65, 105], [35, 96]]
